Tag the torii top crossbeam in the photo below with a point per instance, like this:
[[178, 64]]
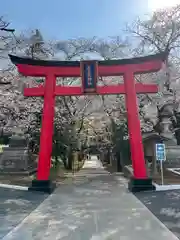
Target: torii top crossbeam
[[32, 67], [89, 72]]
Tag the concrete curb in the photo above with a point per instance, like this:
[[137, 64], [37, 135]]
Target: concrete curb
[[166, 187], [174, 170], [15, 187]]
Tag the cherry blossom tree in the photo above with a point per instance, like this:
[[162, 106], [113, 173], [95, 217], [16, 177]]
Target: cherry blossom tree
[[159, 33], [15, 109], [85, 49]]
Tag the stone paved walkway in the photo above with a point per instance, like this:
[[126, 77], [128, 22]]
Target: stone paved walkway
[[100, 209]]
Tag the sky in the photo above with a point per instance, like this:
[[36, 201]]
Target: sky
[[64, 19]]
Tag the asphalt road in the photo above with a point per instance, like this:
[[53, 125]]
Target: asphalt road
[[165, 205], [15, 205]]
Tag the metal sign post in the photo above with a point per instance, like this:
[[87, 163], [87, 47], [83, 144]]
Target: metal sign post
[[162, 173], [161, 156]]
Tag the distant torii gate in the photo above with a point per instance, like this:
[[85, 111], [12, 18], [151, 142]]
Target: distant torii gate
[[89, 72]]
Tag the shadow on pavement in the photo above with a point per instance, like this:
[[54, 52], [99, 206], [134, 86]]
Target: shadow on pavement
[[15, 205], [165, 205]]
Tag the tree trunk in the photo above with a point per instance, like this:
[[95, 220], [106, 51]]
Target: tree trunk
[[154, 167], [70, 158], [119, 161]]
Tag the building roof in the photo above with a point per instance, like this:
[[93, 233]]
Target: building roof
[[153, 135]]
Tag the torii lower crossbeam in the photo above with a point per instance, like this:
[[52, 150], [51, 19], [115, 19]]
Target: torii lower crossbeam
[[101, 90], [126, 68]]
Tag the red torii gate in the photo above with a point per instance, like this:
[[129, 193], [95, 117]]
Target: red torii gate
[[89, 71]]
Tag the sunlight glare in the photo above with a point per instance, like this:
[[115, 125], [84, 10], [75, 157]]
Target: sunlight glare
[[158, 4]]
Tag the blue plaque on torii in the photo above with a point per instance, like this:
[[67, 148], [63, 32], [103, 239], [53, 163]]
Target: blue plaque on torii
[[89, 74]]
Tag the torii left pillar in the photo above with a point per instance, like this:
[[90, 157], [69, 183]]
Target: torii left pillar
[[44, 162]]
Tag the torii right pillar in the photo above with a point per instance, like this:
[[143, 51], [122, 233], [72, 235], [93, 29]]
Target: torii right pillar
[[140, 180]]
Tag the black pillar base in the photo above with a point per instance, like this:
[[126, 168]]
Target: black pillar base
[[45, 186], [139, 185]]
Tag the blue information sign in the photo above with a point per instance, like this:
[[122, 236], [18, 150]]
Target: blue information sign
[[89, 76], [160, 152]]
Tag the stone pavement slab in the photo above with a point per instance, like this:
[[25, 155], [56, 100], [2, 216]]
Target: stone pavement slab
[[101, 209], [166, 206], [93, 163], [15, 205]]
